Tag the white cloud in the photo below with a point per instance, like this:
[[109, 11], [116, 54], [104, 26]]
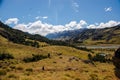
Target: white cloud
[[81, 24], [91, 26], [110, 23], [22, 27], [72, 24], [45, 17], [108, 9], [41, 17], [12, 21], [38, 27], [75, 6], [38, 17]]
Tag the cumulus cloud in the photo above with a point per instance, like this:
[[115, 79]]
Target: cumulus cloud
[[81, 24], [12, 21], [75, 6], [38, 27], [72, 24], [110, 23], [108, 9], [91, 26]]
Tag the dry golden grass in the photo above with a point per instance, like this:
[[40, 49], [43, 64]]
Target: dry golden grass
[[58, 67], [95, 42]]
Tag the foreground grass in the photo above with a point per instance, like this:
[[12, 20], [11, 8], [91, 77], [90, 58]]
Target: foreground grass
[[65, 63]]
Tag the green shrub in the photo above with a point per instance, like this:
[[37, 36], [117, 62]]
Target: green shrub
[[32, 43], [6, 56], [99, 57], [90, 56], [34, 58]]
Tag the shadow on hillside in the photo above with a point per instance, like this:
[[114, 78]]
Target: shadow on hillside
[[116, 62], [117, 72]]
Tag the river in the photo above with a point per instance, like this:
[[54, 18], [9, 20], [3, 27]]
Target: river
[[101, 46]]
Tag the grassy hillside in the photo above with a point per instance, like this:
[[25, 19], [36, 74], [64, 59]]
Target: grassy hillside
[[25, 38], [65, 63]]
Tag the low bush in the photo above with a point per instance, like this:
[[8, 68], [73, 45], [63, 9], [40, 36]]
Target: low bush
[[6, 56], [34, 58], [100, 57]]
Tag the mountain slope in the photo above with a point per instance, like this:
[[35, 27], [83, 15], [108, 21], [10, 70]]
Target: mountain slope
[[106, 35], [65, 35], [20, 37], [90, 36], [25, 38]]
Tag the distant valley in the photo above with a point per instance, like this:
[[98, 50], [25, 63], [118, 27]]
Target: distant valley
[[24, 56], [89, 36]]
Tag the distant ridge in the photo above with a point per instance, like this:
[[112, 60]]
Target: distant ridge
[[109, 35]]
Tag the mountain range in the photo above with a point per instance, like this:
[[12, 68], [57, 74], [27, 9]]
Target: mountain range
[[109, 35]]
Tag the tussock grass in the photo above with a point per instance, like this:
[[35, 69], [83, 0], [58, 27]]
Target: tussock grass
[[61, 58]]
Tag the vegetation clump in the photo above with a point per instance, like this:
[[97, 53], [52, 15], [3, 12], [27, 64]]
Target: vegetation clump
[[100, 57], [34, 58], [6, 56]]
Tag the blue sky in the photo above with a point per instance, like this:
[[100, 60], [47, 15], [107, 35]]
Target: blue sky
[[59, 12]]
